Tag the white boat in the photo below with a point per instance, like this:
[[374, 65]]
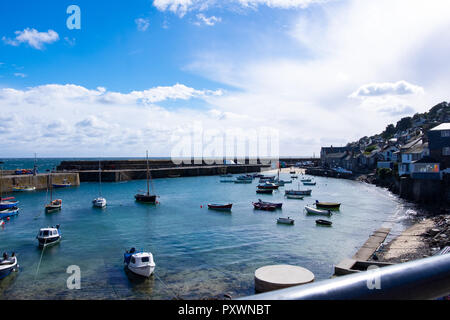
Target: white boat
[[140, 263], [315, 211], [7, 265], [285, 220], [99, 202], [48, 236], [2, 223]]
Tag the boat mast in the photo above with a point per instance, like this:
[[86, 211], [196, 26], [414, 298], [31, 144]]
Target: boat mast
[[100, 177], [148, 174]]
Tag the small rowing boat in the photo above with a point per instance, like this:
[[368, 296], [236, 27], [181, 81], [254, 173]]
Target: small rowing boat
[[266, 207], [268, 185], [285, 220], [298, 192], [264, 191], [226, 181], [278, 205], [295, 196], [222, 207], [328, 205], [7, 265], [324, 222], [4, 205], [311, 210], [309, 183], [4, 214]]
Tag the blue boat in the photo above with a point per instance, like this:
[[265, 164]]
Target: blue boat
[[9, 213], [7, 265], [4, 205]]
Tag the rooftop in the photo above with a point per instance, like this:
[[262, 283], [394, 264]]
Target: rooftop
[[442, 126]]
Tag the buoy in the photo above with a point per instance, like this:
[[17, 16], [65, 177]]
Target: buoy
[[7, 219], [201, 206]]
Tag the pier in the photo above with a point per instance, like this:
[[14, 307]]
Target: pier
[[372, 244], [124, 170], [40, 181]]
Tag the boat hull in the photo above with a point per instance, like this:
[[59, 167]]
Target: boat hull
[[298, 192], [7, 268], [145, 198], [285, 221], [146, 271], [328, 206], [47, 242], [319, 212], [8, 204], [226, 207], [9, 213], [99, 202], [325, 223], [264, 191]]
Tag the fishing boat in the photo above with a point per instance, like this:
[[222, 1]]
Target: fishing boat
[[222, 207], [4, 205], [277, 205], [24, 188], [54, 205], [4, 214], [311, 210], [147, 197], [298, 192], [140, 263], [324, 222], [328, 205], [49, 236], [99, 202], [65, 184], [262, 206], [285, 220], [268, 185], [7, 265], [264, 191], [295, 196], [309, 183]]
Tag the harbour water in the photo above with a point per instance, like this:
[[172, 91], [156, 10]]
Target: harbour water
[[199, 253]]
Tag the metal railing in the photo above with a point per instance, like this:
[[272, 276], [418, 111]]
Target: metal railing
[[422, 279]]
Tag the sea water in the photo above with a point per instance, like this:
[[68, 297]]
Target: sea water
[[199, 253]]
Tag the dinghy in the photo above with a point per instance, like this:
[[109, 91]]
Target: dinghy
[[268, 185], [277, 205], [140, 263], [222, 207], [285, 220], [4, 214], [264, 191], [298, 192], [4, 205], [328, 205], [311, 210], [265, 207], [309, 183], [294, 196], [7, 265], [49, 236], [324, 222]]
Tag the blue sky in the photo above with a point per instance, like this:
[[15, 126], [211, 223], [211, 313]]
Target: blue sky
[[144, 74]]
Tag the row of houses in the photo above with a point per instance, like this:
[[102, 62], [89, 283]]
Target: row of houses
[[414, 153]]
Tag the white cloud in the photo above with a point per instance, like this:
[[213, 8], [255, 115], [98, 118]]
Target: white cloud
[[142, 24], [211, 21], [20, 75], [387, 88], [181, 7], [34, 38]]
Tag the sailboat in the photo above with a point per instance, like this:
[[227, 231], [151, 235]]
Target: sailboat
[[99, 202], [146, 197], [54, 205]]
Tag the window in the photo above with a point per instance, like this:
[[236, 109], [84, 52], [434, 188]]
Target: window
[[445, 133], [446, 151], [145, 259], [133, 260]]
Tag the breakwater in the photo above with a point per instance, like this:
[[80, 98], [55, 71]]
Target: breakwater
[[125, 170], [322, 172], [40, 181]]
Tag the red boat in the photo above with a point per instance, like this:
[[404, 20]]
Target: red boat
[[220, 206]]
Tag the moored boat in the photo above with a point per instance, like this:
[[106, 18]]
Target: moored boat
[[4, 214], [311, 210], [268, 185], [309, 183], [324, 222], [298, 192], [4, 205], [295, 196], [222, 207], [65, 184], [305, 180], [277, 205], [24, 188], [266, 207], [53, 206], [287, 220], [243, 181], [140, 263], [7, 265], [147, 197], [49, 236], [226, 181], [328, 205], [99, 202]]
